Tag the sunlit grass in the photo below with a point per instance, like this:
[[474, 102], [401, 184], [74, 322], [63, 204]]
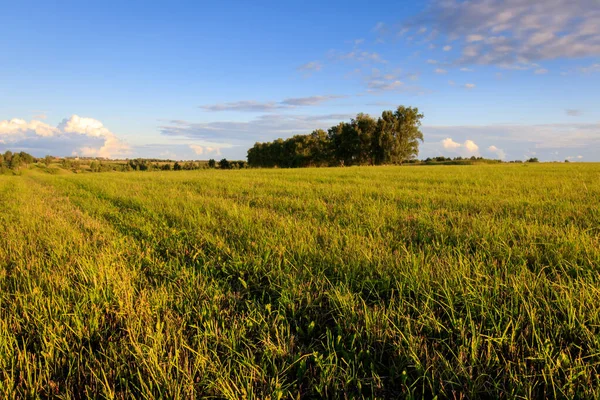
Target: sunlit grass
[[378, 282]]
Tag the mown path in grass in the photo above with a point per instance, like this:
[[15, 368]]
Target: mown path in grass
[[359, 282]]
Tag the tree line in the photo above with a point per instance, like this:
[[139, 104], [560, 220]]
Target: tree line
[[14, 161], [393, 138]]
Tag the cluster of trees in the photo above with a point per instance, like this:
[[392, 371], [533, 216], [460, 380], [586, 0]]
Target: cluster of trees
[[14, 161], [393, 138], [143, 164], [225, 164]]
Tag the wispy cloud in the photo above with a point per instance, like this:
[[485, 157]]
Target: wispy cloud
[[270, 106], [310, 101], [378, 81], [245, 105], [264, 127], [358, 56], [515, 31], [544, 136], [573, 112], [310, 67]]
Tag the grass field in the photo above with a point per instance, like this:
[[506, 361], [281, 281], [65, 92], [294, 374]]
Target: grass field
[[375, 282]]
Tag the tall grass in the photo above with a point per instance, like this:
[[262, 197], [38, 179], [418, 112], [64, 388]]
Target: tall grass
[[374, 282]]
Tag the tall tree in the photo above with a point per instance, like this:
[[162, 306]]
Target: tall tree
[[408, 134]]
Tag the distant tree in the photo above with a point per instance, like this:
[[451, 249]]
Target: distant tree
[[48, 160], [533, 160], [26, 158], [16, 162], [212, 163], [7, 156], [224, 164], [166, 167], [177, 166], [567, 161]]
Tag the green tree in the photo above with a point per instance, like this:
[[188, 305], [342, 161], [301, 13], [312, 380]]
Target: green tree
[[177, 166], [224, 164], [397, 136], [16, 162], [7, 157], [48, 160], [212, 163]]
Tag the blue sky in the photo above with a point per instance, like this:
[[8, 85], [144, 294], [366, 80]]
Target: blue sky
[[191, 80]]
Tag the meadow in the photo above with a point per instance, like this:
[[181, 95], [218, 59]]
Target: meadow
[[361, 282]]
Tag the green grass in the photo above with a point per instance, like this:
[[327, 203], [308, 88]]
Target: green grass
[[374, 282]]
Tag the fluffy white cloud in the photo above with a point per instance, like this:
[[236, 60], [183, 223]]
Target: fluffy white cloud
[[469, 86], [100, 142], [20, 127], [469, 147], [447, 48], [208, 148], [498, 152], [440, 71], [450, 144]]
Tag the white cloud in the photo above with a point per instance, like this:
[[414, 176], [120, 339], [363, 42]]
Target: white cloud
[[440, 71], [465, 69], [474, 38], [208, 149], [17, 127], [573, 112], [471, 146], [499, 152], [447, 48], [90, 135], [450, 144], [468, 148], [433, 62], [469, 86], [541, 71], [112, 146]]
